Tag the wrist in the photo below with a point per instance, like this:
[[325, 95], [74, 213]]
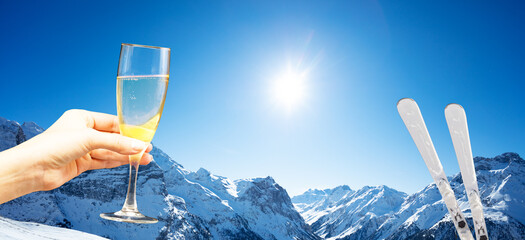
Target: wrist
[[18, 175]]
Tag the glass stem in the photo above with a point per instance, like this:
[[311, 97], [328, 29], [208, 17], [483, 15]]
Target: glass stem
[[130, 205]]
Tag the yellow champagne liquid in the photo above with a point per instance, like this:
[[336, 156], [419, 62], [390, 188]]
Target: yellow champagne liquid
[[140, 101]]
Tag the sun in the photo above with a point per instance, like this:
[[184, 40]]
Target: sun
[[289, 90]]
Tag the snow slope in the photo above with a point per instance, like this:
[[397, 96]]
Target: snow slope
[[15, 230]]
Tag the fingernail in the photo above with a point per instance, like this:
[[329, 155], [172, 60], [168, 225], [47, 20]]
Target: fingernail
[[138, 145]]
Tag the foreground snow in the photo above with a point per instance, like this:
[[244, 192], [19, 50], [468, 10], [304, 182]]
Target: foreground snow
[[11, 229]]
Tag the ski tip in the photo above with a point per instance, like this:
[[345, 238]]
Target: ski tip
[[406, 104], [454, 106], [403, 100]]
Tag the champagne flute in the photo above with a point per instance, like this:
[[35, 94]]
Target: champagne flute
[[142, 81]]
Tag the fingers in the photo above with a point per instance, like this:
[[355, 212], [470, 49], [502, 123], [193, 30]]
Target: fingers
[[100, 164], [105, 163], [77, 118], [114, 142], [102, 122], [149, 148], [108, 155]]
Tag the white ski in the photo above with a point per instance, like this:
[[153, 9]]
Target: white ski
[[411, 115], [457, 125]]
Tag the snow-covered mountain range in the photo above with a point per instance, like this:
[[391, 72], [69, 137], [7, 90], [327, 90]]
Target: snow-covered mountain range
[[200, 205], [189, 205], [384, 213]]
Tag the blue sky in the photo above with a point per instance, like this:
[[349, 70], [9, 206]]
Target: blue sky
[[361, 58]]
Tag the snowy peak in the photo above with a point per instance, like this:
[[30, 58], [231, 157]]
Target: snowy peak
[[339, 192], [344, 212], [202, 175], [309, 197], [503, 158], [163, 160], [499, 162], [31, 129], [314, 197], [221, 186], [11, 134], [262, 190], [378, 200], [203, 172], [267, 195]]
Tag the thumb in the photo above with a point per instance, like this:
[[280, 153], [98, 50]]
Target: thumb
[[115, 142]]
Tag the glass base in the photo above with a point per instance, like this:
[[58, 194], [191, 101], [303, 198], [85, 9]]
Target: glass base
[[128, 216]]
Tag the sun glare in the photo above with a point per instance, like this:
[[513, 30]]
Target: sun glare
[[289, 90]]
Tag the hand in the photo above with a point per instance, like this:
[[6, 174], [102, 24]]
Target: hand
[[78, 141]]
